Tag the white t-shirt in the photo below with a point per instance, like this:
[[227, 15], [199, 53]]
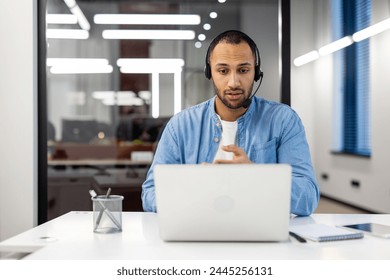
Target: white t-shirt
[[229, 137]]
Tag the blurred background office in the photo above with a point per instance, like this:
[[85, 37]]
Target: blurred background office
[[99, 89]]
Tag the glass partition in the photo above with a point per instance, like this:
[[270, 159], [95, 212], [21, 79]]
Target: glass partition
[[116, 71]]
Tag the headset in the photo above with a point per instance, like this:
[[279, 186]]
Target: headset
[[258, 72]]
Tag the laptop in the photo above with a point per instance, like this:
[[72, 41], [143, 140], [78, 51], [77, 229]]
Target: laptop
[[223, 202]]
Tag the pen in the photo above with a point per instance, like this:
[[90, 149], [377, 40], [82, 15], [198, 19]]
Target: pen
[[297, 237], [102, 210]]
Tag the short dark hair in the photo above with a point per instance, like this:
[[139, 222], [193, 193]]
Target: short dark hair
[[233, 37]]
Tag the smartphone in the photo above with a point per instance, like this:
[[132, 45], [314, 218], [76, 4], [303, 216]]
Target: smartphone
[[372, 228]]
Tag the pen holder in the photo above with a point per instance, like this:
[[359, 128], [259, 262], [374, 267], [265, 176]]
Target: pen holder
[[107, 213]]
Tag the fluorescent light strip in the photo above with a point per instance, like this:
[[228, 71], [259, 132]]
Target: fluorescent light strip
[[75, 9], [344, 42], [306, 58], [149, 34], [111, 94], [81, 69], [156, 66], [150, 65], [79, 65], [70, 3], [372, 30], [335, 46], [61, 19], [100, 95], [66, 34], [145, 95], [83, 22], [123, 101], [76, 61], [147, 19]]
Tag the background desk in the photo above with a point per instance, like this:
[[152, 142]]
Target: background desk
[[71, 237], [70, 180], [97, 162]]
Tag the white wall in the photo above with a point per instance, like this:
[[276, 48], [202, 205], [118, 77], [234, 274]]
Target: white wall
[[303, 41], [312, 93], [18, 144]]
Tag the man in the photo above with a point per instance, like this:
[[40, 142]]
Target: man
[[237, 127]]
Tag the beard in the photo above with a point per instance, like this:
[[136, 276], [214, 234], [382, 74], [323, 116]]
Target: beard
[[229, 104]]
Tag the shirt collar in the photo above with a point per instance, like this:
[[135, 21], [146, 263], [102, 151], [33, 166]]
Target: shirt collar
[[243, 118]]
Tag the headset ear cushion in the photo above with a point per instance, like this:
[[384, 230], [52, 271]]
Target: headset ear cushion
[[258, 73]]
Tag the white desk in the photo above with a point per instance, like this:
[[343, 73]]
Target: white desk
[[71, 237]]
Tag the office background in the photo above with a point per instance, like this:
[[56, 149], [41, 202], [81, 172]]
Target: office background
[[311, 94]]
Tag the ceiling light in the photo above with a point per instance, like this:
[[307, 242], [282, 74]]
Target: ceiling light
[[83, 22], [125, 101], [306, 58], [344, 42], [206, 26], [372, 30], [75, 9], [76, 61], [112, 94], [70, 3], [149, 34], [67, 34], [221, 1], [150, 65], [335, 46], [156, 66], [198, 45], [147, 19], [61, 19], [103, 94], [145, 95], [79, 66], [213, 15], [85, 69], [201, 37]]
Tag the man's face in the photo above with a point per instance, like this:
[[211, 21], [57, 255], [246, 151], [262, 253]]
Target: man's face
[[232, 71]]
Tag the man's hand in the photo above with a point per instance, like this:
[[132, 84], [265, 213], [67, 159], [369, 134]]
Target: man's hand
[[239, 155]]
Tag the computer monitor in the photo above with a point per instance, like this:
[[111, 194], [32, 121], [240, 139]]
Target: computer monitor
[[79, 131]]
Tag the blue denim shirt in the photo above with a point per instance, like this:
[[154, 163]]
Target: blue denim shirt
[[269, 132]]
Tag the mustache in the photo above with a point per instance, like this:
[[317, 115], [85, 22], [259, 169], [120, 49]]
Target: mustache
[[234, 91]]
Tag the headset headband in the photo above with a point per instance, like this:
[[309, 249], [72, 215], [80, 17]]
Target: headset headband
[[246, 38]]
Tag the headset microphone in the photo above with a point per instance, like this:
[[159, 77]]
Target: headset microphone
[[248, 102]]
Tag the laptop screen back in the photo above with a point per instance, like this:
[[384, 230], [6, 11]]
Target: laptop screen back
[[224, 202]]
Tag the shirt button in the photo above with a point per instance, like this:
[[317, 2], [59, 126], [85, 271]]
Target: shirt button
[[216, 139], [218, 124]]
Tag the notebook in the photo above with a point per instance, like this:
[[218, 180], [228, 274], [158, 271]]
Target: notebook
[[322, 232], [223, 202]]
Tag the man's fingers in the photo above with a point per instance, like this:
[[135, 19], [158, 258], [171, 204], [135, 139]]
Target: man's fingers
[[233, 149]]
